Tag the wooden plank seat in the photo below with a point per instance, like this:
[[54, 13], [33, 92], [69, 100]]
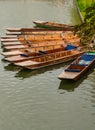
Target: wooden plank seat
[[72, 70]]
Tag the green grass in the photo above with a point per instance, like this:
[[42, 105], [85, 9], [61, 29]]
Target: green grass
[[83, 4]]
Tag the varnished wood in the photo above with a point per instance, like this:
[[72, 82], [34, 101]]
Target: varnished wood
[[75, 70], [48, 60]]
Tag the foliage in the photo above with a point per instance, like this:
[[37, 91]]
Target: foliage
[[87, 29]]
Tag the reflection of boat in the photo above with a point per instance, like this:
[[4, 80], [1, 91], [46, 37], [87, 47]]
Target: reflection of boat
[[11, 67], [69, 86], [53, 25], [50, 59], [24, 73], [79, 67]]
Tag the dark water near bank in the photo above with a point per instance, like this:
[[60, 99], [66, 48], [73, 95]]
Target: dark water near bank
[[38, 100]]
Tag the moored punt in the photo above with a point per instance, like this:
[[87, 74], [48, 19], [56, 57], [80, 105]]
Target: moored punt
[[11, 53], [34, 48], [9, 40], [79, 67], [30, 54], [8, 37], [13, 33], [49, 35], [14, 47], [11, 43], [23, 30], [33, 45], [53, 25], [14, 29], [48, 60], [40, 37]]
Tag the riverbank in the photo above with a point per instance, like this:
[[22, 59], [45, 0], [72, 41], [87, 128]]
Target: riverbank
[[83, 4], [86, 30]]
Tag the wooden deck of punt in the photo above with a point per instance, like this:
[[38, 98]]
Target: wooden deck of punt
[[33, 45], [49, 60], [13, 33], [9, 40], [15, 47], [52, 25], [42, 32], [30, 55], [39, 46], [66, 36], [11, 43], [29, 29], [79, 67], [8, 37], [41, 37]]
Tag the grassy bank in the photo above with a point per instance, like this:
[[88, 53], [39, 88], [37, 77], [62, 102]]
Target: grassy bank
[[86, 30], [83, 4]]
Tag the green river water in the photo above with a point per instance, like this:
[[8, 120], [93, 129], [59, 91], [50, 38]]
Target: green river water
[[38, 100]]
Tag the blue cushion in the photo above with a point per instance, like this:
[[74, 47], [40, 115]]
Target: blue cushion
[[25, 55], [87, 57], [70, 47], [43, 52], [72, 70]]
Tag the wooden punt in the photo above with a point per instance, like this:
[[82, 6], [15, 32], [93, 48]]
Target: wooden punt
[[14, 47], [13, 33], [67, 36], [14, 29], [49, 60], [79, 67], [30, 55], [8, 37], [40, 37], [11, 43], [46, 36], [53, 25], [9, 40], [25, 45], [34, 48], [23, 30]]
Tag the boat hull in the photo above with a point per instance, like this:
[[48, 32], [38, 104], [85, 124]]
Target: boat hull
[[74, 74]]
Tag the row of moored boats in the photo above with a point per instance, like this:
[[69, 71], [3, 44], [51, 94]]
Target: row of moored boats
[[51, 44]]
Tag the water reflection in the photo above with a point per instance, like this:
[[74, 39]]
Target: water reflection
[[69, 85], [25, 73], [11, 67]]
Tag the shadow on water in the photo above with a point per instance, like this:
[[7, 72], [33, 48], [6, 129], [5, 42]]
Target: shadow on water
[[25, 73], [70, 85], [11, 67]]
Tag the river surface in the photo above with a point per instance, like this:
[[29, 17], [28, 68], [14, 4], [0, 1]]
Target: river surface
[[38, 100]]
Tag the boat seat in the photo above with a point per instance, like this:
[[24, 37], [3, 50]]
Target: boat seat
[[72, 70], [25, 55], [70, 47], [88, 57], [79, 64]]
